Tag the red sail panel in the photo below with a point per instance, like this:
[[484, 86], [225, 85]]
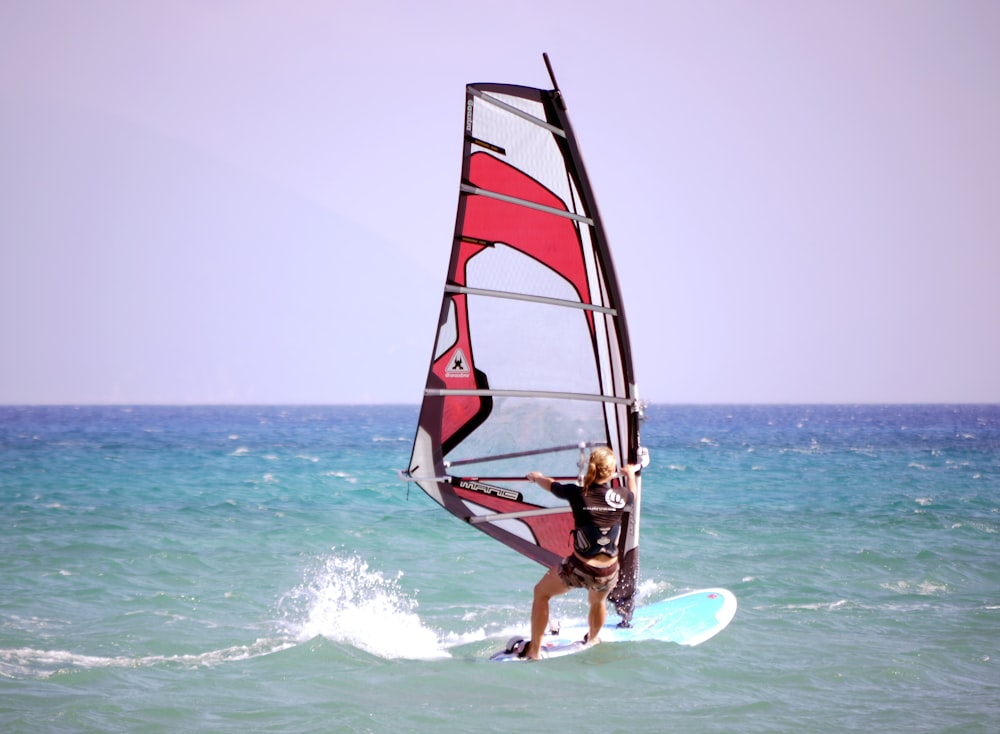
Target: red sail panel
[[552, 240], [550, 532]]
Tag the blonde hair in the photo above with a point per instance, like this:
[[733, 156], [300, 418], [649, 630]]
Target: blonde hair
[[601, 466]]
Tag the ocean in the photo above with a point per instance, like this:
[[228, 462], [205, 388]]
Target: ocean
[[263, 569]]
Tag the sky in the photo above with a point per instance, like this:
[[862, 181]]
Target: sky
[[252, 202]]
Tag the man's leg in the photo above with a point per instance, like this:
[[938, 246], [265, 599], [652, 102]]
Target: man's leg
[[598, 614], [549, 586]]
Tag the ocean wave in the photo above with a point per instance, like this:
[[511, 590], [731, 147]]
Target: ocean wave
[[29, 662], [921, 588]]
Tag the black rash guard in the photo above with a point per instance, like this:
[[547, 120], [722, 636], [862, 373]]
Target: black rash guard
[[597, 515]]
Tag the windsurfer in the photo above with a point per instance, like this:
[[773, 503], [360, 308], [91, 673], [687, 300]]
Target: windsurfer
[[597, 517]]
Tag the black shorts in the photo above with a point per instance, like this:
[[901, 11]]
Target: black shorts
[[579, 575]]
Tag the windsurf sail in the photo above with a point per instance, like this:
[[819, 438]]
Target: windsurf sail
[[531, 364]]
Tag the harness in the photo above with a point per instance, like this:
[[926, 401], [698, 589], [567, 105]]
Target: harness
[[597, 517], [591, 541]]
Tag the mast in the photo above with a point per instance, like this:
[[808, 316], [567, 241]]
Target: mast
[[607, 263]]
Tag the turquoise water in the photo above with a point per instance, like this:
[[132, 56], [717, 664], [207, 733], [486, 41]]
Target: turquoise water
[[262, 569]]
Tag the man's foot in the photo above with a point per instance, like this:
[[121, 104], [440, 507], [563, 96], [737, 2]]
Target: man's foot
[[523, 653]]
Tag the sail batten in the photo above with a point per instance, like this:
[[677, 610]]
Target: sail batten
[[531, 362], [515, 111], [467, 189], [535, 299], [476, 519], [519, 454], [597, 398]]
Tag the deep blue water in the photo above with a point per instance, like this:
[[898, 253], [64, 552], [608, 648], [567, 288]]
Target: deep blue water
[[264, 569]]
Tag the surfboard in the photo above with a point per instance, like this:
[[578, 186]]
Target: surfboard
[[687, 619]]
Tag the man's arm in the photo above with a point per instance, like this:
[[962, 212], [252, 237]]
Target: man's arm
[[541, 480], [629, 471]]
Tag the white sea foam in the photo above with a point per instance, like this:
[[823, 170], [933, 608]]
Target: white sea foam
[[922, 588], [341, 475], [456, 639], [651, 589], [345, 601], [28, 662], [819, 606]]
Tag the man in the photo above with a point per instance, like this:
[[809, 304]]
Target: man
[[597, 516]]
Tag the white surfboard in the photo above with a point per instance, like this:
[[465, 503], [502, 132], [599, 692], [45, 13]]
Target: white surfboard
[[687, 619]]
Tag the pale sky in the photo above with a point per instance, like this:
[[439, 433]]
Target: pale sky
[[231, 201]]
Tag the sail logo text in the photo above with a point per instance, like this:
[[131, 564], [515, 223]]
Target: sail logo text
[[501, 492], [468, 116]]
